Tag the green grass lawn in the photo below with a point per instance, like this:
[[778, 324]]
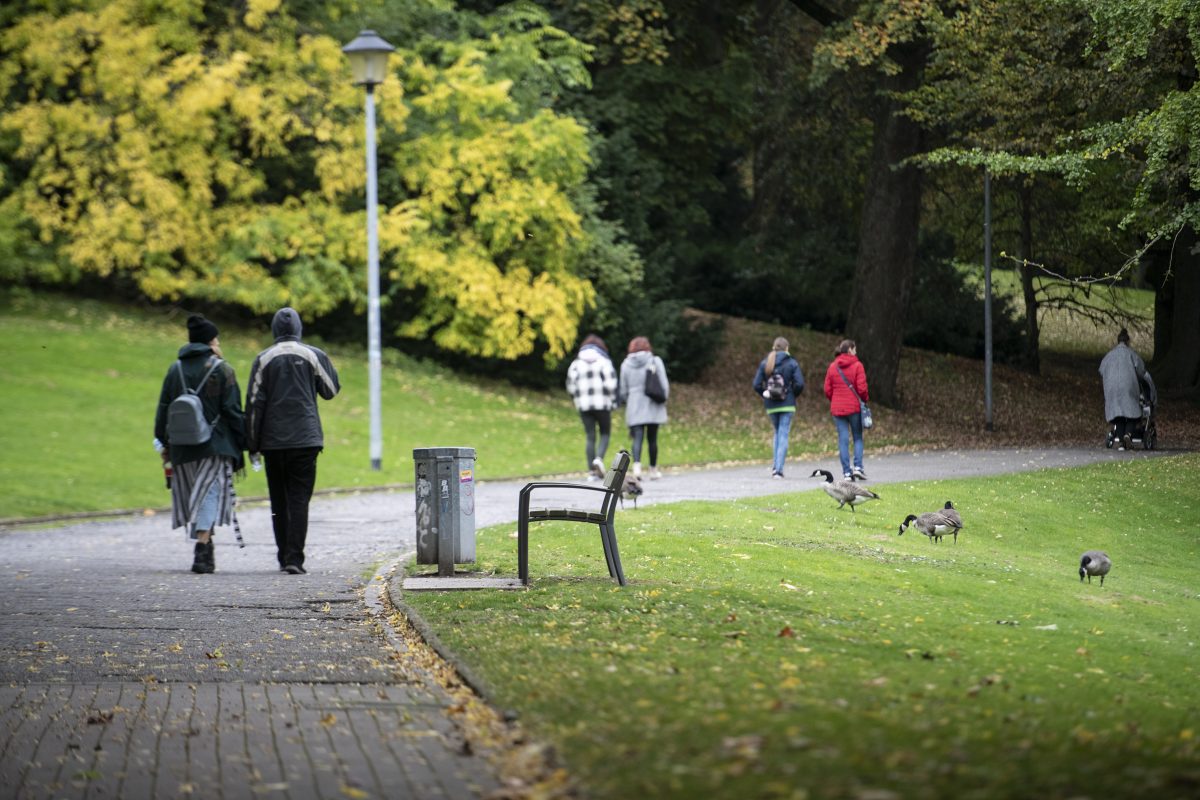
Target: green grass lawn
[[81, 384], [777, 647]]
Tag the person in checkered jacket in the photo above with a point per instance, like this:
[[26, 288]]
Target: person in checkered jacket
[[592, 384]]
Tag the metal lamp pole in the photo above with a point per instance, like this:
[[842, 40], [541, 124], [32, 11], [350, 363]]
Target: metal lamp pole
[[987, 299], [368, 55]]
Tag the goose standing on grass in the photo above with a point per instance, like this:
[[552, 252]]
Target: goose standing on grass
[[844, 491], [934, 524], [1094, 562], [950, 513]]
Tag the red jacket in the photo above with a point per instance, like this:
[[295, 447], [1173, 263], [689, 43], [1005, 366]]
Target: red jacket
[[842, 401]]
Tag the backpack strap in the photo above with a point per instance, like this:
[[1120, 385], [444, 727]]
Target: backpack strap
[[179, 366]]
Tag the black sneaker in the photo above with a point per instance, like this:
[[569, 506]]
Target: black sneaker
[[295, 569]]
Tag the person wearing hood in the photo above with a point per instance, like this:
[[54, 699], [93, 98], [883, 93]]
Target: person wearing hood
[[284, 426], [780, 409], [846, 386], [202, 495], [1122, 372], [592, 384], [642, 414]]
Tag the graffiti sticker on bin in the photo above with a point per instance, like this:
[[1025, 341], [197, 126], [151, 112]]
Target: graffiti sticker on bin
[[465, 475]]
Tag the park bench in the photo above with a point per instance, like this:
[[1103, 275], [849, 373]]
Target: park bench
[[610, 490]]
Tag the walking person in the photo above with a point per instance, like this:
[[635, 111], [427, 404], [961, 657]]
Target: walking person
[[779, 381], [202, 495], [284, 425], [846, 388], [1122, 372], [592, 384], [643, 413]]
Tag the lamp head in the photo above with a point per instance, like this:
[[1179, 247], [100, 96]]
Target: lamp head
[[368, 55]]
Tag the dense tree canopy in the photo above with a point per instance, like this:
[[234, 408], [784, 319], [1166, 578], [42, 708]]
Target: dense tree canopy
[[214, 152]]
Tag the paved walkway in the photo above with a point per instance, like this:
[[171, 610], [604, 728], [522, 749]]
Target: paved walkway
[[124, 675]]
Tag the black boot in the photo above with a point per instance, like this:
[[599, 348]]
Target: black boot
[[200, 558], [210, 559]]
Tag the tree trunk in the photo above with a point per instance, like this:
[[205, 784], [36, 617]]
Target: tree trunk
[[1176, 367], [1032, 332], [887, 242]]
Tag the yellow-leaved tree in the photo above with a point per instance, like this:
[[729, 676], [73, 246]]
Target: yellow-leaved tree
[[214, 152]]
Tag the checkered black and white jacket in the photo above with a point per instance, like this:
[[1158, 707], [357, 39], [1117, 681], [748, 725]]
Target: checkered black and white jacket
[[592, 380]]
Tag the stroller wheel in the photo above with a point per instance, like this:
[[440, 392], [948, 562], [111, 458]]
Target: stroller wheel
[[1108, 440]]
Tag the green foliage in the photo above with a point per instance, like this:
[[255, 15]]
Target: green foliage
[[779, 648]]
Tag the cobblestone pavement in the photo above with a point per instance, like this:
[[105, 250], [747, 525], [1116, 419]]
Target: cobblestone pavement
[[124, 675]]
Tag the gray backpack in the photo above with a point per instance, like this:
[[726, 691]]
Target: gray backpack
[[186, 424]]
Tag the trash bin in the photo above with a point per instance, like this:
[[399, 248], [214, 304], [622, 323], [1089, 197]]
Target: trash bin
[[445, 489]]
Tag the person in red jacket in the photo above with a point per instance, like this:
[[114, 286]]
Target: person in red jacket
[[845, 386]]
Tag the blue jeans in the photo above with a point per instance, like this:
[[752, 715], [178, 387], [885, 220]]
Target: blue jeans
[[848, 426], [782, 422], [206, 516]]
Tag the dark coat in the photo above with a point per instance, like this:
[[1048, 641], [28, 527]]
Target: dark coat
[[285, 381], [222, 399], [793, 378]]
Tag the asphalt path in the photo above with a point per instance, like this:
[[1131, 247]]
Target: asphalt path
[[124, 674]]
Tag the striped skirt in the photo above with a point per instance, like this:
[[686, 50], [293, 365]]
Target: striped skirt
[[191, 483]]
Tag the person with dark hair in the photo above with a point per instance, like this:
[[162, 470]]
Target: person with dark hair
[[592, 384], [202, 495], [284, 425], [846, 388], [779, 381], [1122, 372], [643, 414]]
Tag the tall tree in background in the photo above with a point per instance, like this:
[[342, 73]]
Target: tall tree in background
[[1163, 135]]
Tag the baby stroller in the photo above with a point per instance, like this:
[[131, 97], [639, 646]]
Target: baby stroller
[[1145, 430]]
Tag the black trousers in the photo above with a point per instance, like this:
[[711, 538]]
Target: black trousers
[[291, 475]]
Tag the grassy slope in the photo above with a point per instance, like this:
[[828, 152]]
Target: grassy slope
[[778, 648], [82, 379]]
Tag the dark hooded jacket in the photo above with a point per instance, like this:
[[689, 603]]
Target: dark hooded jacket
[[222, 400], [281, 397]]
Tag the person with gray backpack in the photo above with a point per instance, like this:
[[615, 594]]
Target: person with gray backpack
[[202, 429], [779, 381]]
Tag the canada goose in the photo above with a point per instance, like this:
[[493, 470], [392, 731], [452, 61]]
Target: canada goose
[[844, 491], [1094, 562], [951, 514], [934, 524], [631, 489]]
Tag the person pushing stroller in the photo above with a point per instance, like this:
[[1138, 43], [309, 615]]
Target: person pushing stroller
[[1123, 374]]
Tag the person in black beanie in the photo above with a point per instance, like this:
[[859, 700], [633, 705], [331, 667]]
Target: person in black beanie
[[202, 494], [283, 424]]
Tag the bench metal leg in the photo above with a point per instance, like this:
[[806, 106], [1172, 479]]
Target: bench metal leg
[[612, 554], [523, 549]]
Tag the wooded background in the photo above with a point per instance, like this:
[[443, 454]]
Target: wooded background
[[553, 168]]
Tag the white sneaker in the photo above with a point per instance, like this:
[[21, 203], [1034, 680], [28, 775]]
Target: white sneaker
[[597, 468], [637, 469], [656, 474]]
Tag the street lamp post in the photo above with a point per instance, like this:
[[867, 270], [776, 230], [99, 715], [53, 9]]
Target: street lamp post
[[368, 55]]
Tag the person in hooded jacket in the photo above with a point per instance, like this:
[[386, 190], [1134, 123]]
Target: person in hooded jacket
[[779, 411], [845, 385], [284, 425], [592, 384], [642, 415], [202, 495], [1122, 372]]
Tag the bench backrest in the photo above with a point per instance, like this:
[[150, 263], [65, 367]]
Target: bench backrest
[[615, 479]]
